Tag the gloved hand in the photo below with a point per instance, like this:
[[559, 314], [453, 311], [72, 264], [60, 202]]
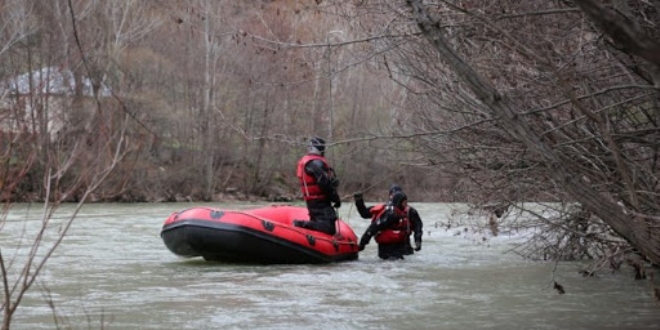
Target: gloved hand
[[418, 245], [357, 195], [364, 241], [334, 198]]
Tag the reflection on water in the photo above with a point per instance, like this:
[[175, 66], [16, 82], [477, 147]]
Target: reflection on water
[[113, 269]]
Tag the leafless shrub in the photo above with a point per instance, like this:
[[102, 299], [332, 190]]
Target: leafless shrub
[[50, 168], [571, 234]]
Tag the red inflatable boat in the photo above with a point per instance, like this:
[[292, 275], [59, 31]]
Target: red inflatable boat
[[262, 235]]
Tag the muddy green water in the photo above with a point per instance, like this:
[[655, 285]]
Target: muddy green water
[[112, 271]]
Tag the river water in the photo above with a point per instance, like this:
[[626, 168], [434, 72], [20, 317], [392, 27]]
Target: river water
[[113, 271]]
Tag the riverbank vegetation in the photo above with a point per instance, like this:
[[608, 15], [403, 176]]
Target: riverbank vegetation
[[483, 102]]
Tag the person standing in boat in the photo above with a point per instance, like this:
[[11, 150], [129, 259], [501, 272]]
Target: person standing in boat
[[390, 226], [416, 224], [318, 185]]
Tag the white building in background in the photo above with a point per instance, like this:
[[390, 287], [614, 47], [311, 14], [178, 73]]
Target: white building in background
[[48, 95]]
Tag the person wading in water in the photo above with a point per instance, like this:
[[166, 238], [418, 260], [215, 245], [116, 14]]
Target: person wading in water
[[416, 224], [390, 226]]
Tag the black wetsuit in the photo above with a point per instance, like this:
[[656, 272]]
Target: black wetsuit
[[389, 251], [413, 216], [322, 213]]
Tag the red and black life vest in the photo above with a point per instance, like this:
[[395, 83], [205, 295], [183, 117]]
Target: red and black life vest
[[308, 185], [396, 233]]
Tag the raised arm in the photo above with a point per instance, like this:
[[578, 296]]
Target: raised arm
[[365, 212]]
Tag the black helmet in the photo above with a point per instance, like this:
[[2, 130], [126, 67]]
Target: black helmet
[[316, 145], [395, 188], [398, 198]]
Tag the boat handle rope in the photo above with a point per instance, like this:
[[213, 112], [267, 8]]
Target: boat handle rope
[[333, 241]]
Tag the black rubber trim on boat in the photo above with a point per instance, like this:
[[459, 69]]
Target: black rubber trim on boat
[[336, 245], [311, 240], [267, 225]]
